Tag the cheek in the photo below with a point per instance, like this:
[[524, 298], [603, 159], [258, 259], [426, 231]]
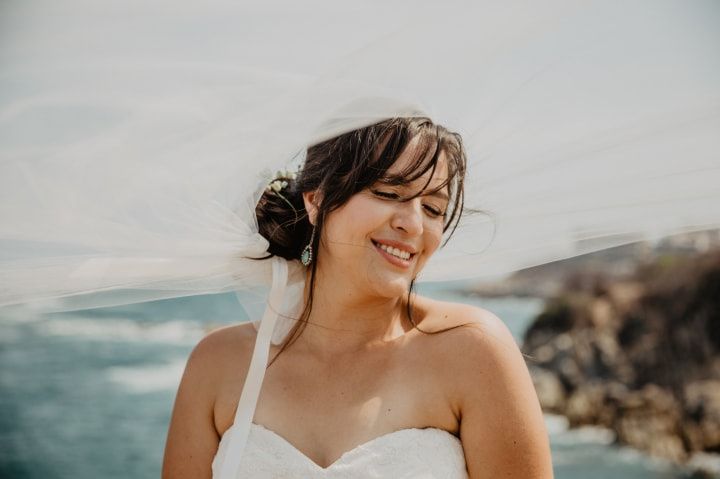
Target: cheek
[[350, 224], [433, 236], [362, 214], [432, 239]]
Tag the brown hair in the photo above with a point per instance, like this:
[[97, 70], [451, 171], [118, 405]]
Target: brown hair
[[339, 168]]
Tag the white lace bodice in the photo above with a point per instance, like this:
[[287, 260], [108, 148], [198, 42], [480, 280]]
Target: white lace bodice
[[408, 453]]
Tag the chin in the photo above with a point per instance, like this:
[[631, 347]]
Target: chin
[[391, 287]]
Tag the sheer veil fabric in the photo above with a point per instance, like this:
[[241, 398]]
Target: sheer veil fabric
[[136, 137]]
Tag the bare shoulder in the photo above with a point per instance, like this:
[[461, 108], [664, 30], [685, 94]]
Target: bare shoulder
[[473, 326], [474, 343], [501, 424], [219, 364], [226, 343], [483, 351], [193, 434]]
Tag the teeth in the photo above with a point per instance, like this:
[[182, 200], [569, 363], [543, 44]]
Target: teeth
[[395, 251]]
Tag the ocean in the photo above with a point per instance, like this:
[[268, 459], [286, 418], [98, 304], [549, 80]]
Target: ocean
[[89, 394]]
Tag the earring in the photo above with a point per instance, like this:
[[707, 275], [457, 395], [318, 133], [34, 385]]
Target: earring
[[306, 256]]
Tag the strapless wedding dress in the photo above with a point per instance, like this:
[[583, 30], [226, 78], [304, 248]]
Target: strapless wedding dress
[[249, 450], [407, 453]]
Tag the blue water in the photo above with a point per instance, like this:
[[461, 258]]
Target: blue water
[[89, 394]]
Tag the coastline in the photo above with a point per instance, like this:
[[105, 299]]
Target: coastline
[[627, 341]]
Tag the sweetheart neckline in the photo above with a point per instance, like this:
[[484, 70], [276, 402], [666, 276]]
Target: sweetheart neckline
[[349, 452], [355, 449]]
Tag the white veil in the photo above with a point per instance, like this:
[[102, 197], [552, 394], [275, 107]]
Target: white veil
[[136, 137]]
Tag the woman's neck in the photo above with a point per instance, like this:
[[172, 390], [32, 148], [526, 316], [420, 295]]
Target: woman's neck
[[345, 320]]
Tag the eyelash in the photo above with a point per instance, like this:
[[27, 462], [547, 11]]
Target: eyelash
[[394, 196]]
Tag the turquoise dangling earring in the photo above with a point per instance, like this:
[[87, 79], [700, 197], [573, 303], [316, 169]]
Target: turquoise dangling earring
[[306, 256]]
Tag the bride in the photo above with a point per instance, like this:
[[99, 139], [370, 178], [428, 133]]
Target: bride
[[134, 145], [372, 380]]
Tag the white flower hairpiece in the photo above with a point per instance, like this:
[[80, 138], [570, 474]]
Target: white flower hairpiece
[[280, 180]]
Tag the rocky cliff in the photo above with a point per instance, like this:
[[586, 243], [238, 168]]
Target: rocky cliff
[[639, 355]]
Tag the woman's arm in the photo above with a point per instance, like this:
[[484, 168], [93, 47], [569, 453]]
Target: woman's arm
[[502, 427], [192, 440]]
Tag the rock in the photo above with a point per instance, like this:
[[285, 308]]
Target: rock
[[602, 313], [650, 419], [624, 295], [585, 404], [635, 355], [549, 389], [702, 406], [700, 474]]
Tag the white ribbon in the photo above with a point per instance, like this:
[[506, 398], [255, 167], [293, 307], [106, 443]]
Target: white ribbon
[[256, 373]]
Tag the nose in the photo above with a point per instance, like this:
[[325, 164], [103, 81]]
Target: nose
[[408, 217]]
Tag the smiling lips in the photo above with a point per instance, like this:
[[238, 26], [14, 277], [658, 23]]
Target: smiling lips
[[397, 256]]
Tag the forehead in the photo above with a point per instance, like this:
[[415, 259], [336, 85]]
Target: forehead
[[415, 157]]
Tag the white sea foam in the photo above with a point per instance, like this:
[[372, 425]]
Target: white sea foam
[[631, 455], [556, 424], [705, 461], [123, 329], [148, 379], [20, 314], [584, 435]]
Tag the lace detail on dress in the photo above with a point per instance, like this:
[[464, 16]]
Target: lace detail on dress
[[408, 453]]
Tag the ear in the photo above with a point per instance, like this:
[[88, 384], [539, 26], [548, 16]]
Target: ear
[[312, 201]]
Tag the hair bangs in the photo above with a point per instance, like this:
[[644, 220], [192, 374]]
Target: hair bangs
[[426, 158]]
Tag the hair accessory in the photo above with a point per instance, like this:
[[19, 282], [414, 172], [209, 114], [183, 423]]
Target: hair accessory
[[306, 256], [280, 180]]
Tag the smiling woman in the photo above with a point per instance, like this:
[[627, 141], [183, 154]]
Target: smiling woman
[[359, 385], [397, 183], [135, 141]]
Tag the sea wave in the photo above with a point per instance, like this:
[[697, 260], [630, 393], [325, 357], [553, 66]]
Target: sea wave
[[705, 461], [122, 329], [582, 435], [148, 379], [556, 424]]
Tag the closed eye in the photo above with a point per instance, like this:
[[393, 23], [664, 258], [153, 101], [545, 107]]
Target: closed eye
[[384, 194], [433, 211]]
